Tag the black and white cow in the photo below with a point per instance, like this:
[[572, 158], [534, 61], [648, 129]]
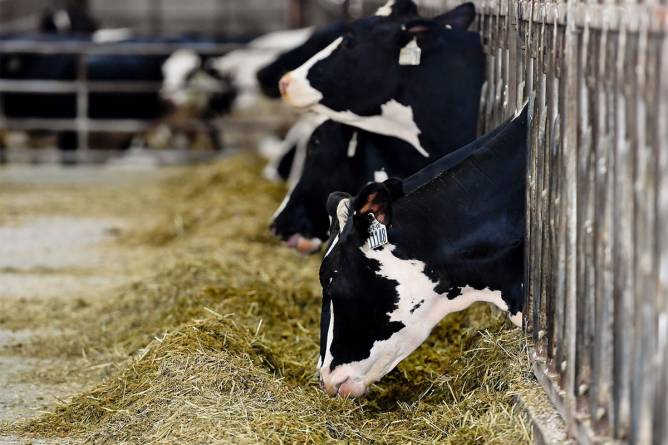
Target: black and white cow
[[338, 157], [404, 254], [398, 75], [451, 69]]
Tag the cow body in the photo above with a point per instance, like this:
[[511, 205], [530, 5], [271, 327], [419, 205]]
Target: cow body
[[359, 157], [455, 235]]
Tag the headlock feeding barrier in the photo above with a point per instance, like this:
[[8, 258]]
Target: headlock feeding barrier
[[596, 77]]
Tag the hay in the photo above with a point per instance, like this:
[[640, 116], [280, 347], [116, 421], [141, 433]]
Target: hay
[[220, 345]]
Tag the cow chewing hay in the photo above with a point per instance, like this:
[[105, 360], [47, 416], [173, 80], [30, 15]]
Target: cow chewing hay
[[220, 345]]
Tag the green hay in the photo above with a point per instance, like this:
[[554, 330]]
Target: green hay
[[221, 344]]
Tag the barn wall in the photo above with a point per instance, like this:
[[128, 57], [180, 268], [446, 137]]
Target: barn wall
[[596, 77]]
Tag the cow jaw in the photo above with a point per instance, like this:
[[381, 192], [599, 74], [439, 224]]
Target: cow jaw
[[296, 90]]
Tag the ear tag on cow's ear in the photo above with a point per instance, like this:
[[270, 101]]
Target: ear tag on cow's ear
[[377, 234], [410, 54]]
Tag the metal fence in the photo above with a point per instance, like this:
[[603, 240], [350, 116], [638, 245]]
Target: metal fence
[[596, 74]]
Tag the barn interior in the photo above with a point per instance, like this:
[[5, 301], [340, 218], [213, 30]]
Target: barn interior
[[144, 299]]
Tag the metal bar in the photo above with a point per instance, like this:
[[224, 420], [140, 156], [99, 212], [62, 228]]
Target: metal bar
[[126, 125], [93, 86], [145, 49]]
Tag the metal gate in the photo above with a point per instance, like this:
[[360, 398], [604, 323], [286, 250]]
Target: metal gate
[[596, 75]]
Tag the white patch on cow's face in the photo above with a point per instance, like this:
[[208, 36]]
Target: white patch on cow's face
[[380, 176], [352, 146], [395, 120], [331, 247], [386, 10], [299, 92], [330, 334], [175, 71], [419, 308], [517, 319], [282, 206]]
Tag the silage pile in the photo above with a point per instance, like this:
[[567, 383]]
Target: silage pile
[[220, 345]]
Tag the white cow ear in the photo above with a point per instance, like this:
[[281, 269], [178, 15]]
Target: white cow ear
[[343, 212], [338, 207]]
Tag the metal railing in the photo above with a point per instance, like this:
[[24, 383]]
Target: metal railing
[[82, 87], [597, 230]]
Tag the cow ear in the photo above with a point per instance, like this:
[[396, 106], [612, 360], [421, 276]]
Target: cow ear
[[374, 198], [460, 18], [338, 207]]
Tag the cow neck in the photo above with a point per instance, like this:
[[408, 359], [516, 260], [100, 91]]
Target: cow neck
[[485, 188], [444, 96]]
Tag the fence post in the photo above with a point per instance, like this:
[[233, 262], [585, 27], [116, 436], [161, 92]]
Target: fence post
[[82, 108]]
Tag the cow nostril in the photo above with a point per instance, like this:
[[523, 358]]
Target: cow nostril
[[283, 84]]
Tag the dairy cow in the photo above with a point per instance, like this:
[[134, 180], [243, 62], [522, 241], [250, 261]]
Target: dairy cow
[[398, 75], [445, 88], [338, 157], [404, 254]]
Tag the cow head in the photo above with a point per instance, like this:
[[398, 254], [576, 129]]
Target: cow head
[[301, 220], [377, 307], [360, 71], [269, 76]]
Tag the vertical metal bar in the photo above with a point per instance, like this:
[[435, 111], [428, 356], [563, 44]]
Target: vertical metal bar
[[82, 107], [623, 236]]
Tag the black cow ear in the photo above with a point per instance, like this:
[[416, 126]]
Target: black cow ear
[[460, 18], [374, 198]]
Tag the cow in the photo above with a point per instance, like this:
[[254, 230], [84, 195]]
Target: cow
[[452, 73], [398, 75], [404, 254], [357, 157]]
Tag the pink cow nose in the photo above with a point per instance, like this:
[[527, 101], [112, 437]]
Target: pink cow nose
[[284, 83]]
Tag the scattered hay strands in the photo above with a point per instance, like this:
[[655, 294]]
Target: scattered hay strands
[[223, 344]]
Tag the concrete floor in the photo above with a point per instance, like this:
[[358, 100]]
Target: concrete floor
[[50, 251]]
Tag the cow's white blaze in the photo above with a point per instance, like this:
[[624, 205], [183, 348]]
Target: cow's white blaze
[[299, 92], [386, 10], [327, 360], [282, 206], [331, 247], [395, 120], [517, 319], [419, 308]]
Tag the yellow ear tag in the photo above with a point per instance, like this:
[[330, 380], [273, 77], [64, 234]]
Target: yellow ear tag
[[410, 54]]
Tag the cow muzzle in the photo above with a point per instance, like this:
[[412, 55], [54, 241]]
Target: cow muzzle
[[348, 388], [297, 92], [303, 245]]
